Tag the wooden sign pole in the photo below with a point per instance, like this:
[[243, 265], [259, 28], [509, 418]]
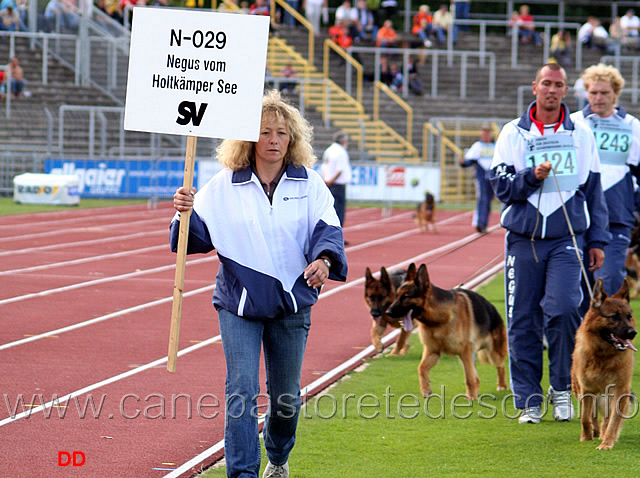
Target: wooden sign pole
[[178, 284]]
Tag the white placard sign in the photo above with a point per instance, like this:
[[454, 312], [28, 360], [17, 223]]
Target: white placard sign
[[196, 73]]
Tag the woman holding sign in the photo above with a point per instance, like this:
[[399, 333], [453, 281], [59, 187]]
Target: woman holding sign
[[271, 219]]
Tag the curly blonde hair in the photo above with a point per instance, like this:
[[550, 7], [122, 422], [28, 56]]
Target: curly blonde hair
[[237, 154], [601, 72]]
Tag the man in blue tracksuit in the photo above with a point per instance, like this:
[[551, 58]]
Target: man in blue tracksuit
[[544, 165], [481, 154], [617, 135]]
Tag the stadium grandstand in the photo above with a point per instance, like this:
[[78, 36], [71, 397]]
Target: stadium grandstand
[[69, 118]]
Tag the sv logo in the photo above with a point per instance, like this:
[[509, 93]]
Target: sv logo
[[188, 112]]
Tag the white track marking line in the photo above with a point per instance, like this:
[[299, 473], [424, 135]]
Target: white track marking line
[[66, 220], [103, 280], [57, 232], [107, 381], [102, 318], [84, 260], [62, 245], [323, 295], [190, 262]]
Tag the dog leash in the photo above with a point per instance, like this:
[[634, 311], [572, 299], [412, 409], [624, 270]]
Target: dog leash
[[573, 237]]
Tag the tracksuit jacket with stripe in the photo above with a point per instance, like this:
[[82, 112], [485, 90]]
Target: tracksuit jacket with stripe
[[264, 247], [514, 182]]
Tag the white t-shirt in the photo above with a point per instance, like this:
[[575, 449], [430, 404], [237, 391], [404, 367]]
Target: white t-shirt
[[334, 159], [633, 23]]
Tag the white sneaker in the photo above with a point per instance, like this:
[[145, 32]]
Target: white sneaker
[[428, 43], [562, 405], [531, 415], [276, 471]]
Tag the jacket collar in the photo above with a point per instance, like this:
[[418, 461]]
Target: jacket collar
[[618, 110], [244, 175], [526, 120]]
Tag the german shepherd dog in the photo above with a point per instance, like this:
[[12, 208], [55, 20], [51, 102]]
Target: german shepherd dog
[[456, 322], [426, 213], [379, 294], [603, 365]]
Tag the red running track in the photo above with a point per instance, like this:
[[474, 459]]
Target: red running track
[[85, 308]]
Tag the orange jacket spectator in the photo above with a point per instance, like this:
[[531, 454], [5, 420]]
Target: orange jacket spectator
[[421, 19], [387, 36]]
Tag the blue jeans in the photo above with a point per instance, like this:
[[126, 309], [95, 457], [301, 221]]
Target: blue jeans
[[284, 342]]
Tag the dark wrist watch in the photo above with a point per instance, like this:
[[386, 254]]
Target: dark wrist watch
[[327, 262]]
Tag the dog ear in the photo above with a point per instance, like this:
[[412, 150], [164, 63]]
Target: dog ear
[[384, 277], [411, 272], [623, 293], [368, 277], [423, 277], [599, 295]]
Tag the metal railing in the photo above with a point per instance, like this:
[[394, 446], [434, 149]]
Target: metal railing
[[617, 61], [435, 55], [330, 45], [408, 139]]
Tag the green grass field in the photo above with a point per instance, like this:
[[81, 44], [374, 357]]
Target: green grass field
[[374, 423]]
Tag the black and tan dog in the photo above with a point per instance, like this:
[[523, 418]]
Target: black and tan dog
[[455, 322], [379, 294], [603, 364], [426, 213]]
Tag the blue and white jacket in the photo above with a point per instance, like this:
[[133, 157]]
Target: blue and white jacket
[[514, 182], [264, 247], [616, 175]]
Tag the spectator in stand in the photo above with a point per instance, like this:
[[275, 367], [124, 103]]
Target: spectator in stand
[[367, 28], [111, 8], [442, 24], [526, 27], [616, 33], [387, 36], [462, 8], [390, 8], [58, 13], [423, 25], [593, 35], [288, 71], [17, 77], [396, 77], [313, 12], [561, 47], [10, 20], [630, 24], [347, 17]]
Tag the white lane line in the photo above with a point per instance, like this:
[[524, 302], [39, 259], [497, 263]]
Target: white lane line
[[194, 261], [321, 381], [86, 228], [107, 381], [102, 280], [61, 245], [85, 260], [102, 318], [93, 217]]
